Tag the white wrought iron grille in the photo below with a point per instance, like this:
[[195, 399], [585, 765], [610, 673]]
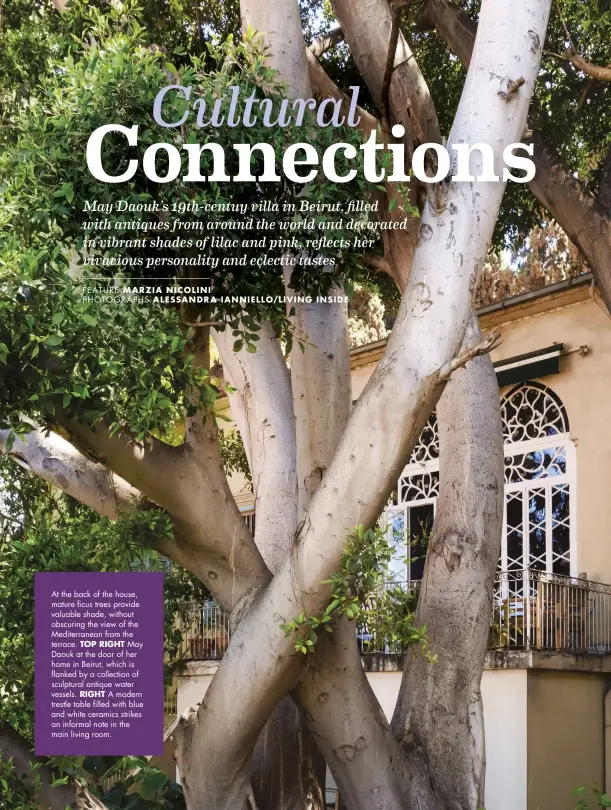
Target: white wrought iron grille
[[539, 479]]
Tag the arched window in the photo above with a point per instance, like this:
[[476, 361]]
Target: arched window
[[532, 411], [538, 532], [539, 463]]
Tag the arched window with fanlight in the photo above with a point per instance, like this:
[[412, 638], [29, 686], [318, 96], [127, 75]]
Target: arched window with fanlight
[[539, 519], [410, 515]]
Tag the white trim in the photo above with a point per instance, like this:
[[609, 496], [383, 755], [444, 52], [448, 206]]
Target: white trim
[[571, 466], [402, 509], [431, 465], [529, 361]]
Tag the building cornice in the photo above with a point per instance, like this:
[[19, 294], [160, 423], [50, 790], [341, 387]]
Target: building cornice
[[564, 293]]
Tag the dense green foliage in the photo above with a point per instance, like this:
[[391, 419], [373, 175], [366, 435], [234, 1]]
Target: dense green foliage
[[135, 362], [17, 792], [43, 530], [363, 589]]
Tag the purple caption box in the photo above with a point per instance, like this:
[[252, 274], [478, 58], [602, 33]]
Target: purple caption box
[[98, 674]]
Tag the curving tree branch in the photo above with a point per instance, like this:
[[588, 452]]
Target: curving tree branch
[[52, 458], [320, 46], [576, 210], [601, 74]]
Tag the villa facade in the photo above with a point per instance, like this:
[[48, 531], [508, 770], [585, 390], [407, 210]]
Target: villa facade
[[547, 683]]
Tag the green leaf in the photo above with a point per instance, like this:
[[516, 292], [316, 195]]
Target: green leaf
[[152, 782], [66, 191]]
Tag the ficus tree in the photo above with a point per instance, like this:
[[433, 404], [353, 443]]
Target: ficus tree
[[92, 393]]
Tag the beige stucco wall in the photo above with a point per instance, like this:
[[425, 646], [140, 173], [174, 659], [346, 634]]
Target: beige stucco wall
[[565, 737], [385, 686], [544, 730], [584, 385], [504, 696]]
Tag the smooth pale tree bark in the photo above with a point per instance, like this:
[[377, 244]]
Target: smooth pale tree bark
[[280, 24], [262, 406], [367, 29], [320, 380], [347, 710], [350, 727], [446, 768], [190, 483], [455, 235], [287, 769], [585, 220], [56, 461], [324, 87], [337, 664], [439, 715], [320, 387], [366, 26]]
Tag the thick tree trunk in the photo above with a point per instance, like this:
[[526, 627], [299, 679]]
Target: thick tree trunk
[[366, 25], [439, 718], [455, 236], [367, 28], [262, 407], [586, 221], [287, 770], [350, 727], [320, 380], [279, 22]]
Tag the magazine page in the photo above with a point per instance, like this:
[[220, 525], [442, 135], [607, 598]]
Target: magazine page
[[304, 359]]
